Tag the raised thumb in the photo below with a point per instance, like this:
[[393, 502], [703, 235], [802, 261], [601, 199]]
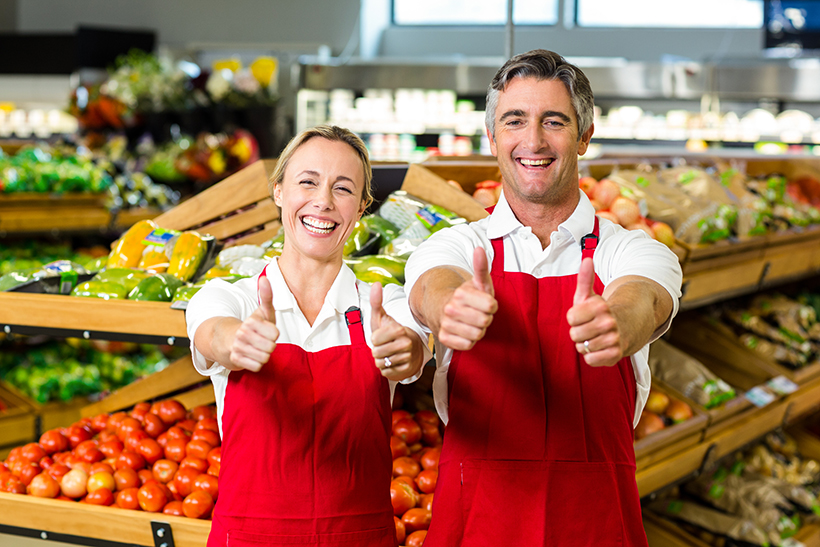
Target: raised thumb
[[481, 271], [586, 282], [377, 313], [266, 299]]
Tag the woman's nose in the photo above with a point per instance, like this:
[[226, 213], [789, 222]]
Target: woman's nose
[[323, 200]]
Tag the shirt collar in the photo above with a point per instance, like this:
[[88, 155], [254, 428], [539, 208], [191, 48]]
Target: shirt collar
[[342, 295], [580, 223]]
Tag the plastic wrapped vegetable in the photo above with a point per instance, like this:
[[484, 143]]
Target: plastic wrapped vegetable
[[158, 288], [189, 252], [385, 229], [378, 267], [107, 290], [688, 375], [230, 254], [128, 249], [361, 240], [128, 278]]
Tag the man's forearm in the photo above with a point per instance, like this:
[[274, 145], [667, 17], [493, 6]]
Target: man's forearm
[[431, 293], [640, 307]]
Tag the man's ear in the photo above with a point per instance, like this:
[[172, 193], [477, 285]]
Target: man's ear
[[493, 148], [583, 144]]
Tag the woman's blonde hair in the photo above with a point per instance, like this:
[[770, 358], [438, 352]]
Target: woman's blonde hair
[[331, 133]]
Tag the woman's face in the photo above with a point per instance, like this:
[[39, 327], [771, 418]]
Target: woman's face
[[321, 198]]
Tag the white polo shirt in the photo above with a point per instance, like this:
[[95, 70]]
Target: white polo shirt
[[221, 299], [619, 253]]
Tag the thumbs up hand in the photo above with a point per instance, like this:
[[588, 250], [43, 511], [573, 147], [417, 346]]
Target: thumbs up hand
[[393, 347], [593, 327], [255, 339], [470, 309]]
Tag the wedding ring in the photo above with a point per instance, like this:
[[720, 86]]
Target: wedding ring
[[586, 346], [387, 363]]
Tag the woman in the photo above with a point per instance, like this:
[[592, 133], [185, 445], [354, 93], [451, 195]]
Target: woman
[[303, 400]]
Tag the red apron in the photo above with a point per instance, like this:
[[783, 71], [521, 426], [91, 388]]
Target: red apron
[[538, 448], [306, 451]]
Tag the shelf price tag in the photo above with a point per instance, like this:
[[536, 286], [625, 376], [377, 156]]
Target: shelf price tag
[[791, 542], [760, 396], [782, 385]]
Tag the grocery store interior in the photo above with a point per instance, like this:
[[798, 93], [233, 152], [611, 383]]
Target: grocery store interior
[[136, 142]]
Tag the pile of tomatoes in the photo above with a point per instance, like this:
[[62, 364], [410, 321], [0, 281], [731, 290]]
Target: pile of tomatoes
[[157, 457], [416, 447]]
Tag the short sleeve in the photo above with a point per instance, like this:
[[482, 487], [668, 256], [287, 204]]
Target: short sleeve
[[218, 299]]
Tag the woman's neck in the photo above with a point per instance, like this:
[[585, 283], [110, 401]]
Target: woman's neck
[[309, 280]]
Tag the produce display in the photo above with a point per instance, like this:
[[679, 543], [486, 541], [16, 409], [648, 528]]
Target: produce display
[[761, 497], [66, 169], [60, 371], [779, 328], [661, 411], [156, 458]]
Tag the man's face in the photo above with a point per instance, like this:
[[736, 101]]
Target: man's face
[[536, 141]]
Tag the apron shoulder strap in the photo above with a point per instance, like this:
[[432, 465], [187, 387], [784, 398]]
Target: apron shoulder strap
[[590, 241], [353, 317]]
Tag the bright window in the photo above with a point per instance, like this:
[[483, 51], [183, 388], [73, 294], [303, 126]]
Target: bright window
[[474, 12], [654, 13]]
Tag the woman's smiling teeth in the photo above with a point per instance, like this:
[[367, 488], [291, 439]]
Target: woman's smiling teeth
[[534, 163], [318, 226]]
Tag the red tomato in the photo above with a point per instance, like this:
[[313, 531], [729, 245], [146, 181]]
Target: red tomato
[[89, 453], [184, 480], [99, 422], [153, 424], [77, 434], [400, 415], [140, 410], [46, 462], [33, 452], [398, 447], [101, 466], [106, 435], [186, 425], [172, 487], [76, 463], [73, 484], [133, 440], [430, 434], [208, 483], [152, 497], [164, 470], [400, 530], [150, 449], [43, 486], [53, 441], [127, 498], [208, 423], [175, 450], [416, 539], [429, 459], [214, 469], [61, 457], [416, 519], [406, 466], [198, 505], [176, 432], [426, 502], [100, 496], [115, 420], [14, 486], [171, 411], [197, 463], [101, 480], [130, 460], [407, 430], [28, 472], [57, 470], [174, 507], [128, 425], [198, 449], [126, 478], [209, 436], [145, 475], [426, 416], [199, 412], [426, 481], [402, 497], [215, 455], [163, 439]]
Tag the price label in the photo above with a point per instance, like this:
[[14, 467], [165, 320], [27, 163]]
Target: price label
[[791, 542], [782, 385], [759, 396]]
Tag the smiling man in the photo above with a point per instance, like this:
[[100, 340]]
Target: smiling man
[[542, 315]]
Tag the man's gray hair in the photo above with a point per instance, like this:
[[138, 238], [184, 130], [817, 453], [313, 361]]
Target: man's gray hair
[[544, 65]]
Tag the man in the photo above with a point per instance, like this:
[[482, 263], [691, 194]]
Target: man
[[543, 315]]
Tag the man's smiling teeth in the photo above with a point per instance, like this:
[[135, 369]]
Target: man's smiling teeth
[[318, 226], [525, 161]]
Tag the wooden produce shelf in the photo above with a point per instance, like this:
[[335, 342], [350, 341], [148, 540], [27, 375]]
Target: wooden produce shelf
[[96, 522], [70, 316], [672, 469]]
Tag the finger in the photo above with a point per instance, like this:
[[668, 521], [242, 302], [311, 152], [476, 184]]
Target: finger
[[387, 333], [266, 299], [586, 282], [391, 349], [377, 313], [456, 329], [468, 315], [397, 361], [481, 271]]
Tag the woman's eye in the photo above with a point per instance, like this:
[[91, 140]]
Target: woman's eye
[[344, 189], [308, 182]]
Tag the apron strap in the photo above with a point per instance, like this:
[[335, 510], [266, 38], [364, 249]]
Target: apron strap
[[353, 317], [498, 255], [590, 241]]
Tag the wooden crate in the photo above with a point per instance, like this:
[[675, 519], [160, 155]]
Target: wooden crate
[[17, 421]]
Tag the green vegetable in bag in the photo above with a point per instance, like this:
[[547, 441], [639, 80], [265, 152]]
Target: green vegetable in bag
[[107, 290], [126, 277], [381, 265], [157, 288]]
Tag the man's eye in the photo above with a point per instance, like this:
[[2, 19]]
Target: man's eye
[[555, 123], [514, 122]]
